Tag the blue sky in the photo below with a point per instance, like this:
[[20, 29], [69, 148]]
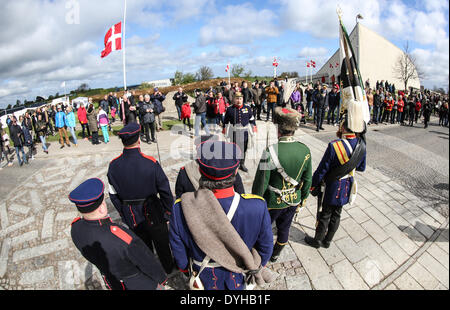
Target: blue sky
[[41, 51]]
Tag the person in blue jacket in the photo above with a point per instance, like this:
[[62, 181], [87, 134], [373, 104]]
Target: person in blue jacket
[[251, 220], [337, 192], [60, 123], [70, 123]]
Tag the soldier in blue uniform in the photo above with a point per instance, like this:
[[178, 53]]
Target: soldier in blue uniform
[[337, 192], [241, 124], [251, 219], [189, 176], [124, 261], [135, 181]]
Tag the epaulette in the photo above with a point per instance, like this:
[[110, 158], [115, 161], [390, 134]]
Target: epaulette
[[122, 235], [340, 151], [76, 220], [251, 196], [149, 157], [177, 201]]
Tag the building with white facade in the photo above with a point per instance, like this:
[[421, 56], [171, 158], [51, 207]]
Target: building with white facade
[[376, 58]]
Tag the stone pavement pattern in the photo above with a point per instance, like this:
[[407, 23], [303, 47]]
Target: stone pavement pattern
[[389, 239]]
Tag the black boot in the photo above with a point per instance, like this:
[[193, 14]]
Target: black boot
[[276, 252], [242, 166], [312, 242]]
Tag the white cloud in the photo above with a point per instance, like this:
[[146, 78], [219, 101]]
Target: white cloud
[[239, 24], [308, 52]]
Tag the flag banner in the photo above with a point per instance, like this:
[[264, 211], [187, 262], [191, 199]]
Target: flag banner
[[227, 68], [289, 88], [313, 63], [353, 97], [275, 63], [113, 40], [308, 65]]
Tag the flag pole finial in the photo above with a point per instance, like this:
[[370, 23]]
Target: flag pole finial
[[339, 12]]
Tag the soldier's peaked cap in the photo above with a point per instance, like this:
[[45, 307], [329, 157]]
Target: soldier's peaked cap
[[218, 160], [130, 133], [88, 196], [287, 118]]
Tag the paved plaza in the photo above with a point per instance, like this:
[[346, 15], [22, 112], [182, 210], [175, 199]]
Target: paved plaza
[[389, 239]]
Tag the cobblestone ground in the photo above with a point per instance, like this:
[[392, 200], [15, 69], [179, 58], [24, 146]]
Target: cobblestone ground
[[389, 239]]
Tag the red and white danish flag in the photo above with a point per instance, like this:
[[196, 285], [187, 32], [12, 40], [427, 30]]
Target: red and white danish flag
[[313, 63], [227, 68], [113, 39], [275, 62], [308, 64]]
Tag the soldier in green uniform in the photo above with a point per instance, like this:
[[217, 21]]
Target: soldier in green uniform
[[284, 176]]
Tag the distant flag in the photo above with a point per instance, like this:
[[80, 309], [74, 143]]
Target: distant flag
[[63, 84], [308, 64], [337, 64], [313, 63], [228, 68], [275, 62], [113, 40], [331, 66]]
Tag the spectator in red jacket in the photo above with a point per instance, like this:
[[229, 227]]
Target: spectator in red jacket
[[418, 108], [222, 106], [186, 115], [400, 107], [82, 118]]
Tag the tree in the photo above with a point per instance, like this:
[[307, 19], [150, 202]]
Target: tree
[[178, 78], [406, 68], [83, 87], [9, 107], [205, 73], [237, 70], [289, 75], [188, 78]]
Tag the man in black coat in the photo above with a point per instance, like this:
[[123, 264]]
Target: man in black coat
[[180, 98], [140, 191], [122, 258], [17, 137], [333, 102], [320, 99]]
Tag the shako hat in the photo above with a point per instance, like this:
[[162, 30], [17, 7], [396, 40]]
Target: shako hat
[[218, 160]]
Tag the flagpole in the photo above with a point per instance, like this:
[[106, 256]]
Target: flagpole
[[124, 49]]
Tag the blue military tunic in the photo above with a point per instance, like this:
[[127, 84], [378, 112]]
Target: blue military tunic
[[122, 258], [251, 221], [239, 117], [337, 193], [134, 176]]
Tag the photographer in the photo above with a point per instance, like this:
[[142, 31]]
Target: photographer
[[200, 112], [148, 118], [180, 97], [157, 98]]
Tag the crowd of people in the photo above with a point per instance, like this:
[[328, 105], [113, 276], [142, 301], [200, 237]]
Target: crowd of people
[[316, 103]]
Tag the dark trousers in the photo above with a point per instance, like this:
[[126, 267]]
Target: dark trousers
[[149, 127], [411, 119], [283, 220], [241, 139], [386, 116], [257, 111], [95, 137], [187, 121], [270, 108], [375, 115], [320, 117], [83, 127], [331, 114], [157, 235], [329, 221]]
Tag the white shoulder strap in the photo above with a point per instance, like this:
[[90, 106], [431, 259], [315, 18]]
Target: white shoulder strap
[[280, 169]]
